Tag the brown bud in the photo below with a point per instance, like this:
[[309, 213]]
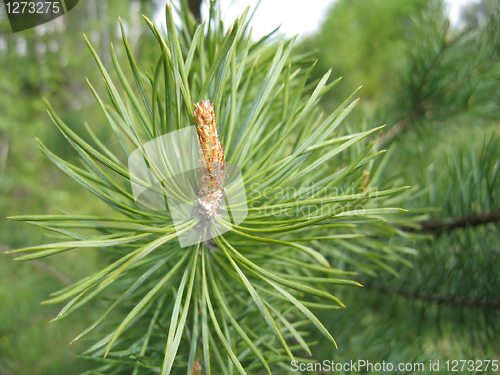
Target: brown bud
[[212, 168], [207, 132]]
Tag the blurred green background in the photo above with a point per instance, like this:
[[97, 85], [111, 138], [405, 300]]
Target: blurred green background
[[436, 85]]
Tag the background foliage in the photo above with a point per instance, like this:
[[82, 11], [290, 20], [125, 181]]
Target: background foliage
[[434, 84], [441, 105]]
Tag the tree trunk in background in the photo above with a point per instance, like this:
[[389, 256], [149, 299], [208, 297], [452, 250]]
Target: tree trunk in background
[[92, 22], [195, 7]]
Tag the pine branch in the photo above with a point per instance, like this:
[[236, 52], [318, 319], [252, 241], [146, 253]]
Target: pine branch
[[421, 103], [450, 224], [393, 132], [435, 298], [416, 109], [195, 65]]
